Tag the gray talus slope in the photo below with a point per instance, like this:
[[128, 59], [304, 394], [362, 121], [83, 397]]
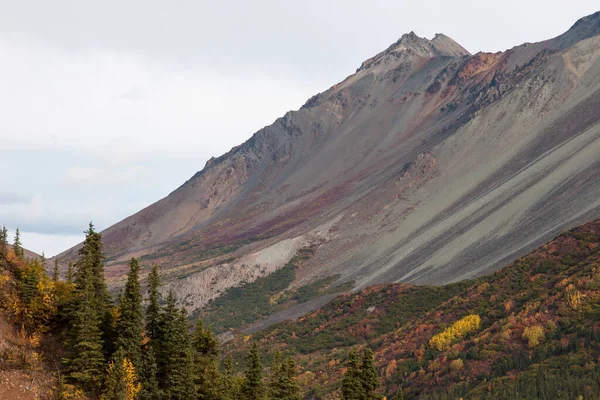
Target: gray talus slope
[[519, 172]]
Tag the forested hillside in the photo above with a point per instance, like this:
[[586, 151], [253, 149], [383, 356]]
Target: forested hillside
[[69, 339], [529, 331]]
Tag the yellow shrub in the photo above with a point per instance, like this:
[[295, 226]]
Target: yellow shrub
[[533, 334], [132, 387], [69, 392], [460, 328], [457, 365], [573, 297]]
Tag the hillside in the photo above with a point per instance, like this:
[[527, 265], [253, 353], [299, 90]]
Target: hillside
[[29, 359], [428, 165], [539, 336]]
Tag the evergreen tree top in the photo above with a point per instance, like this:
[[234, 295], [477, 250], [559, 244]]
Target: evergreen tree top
[[253, 386]]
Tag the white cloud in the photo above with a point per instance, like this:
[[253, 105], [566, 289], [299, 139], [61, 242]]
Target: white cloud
[[109, 101], [78, 175], [8, 198], [110, 175]]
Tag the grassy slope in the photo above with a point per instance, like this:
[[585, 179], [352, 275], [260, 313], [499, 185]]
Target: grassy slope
[[397, 321], [241, 306]]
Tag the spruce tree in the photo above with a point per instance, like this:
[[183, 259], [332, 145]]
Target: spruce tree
[[285, 386], [17, 247], [153, 310], [352, 387], [148, 372], [165, 336], [3, 239], [43, 260], [205, 342], [130, 323], [28, 280], [275, 375], [368, 374], [181, 374], [91, 252], [84, 361], [70, 273], [253, 387], [176, 363], [228, 386], [154, 349], [56, 271], [85, 358], [206, 350]]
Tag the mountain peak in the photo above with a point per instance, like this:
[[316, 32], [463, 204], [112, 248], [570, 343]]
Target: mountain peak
[[410, 44], [448, 46]]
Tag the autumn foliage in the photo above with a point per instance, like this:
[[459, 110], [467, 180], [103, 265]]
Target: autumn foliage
[[459, 329]]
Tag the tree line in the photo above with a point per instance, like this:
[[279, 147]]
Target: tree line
[[149, 352]]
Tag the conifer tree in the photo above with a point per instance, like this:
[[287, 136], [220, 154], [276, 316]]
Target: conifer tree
[[205, 342], [91, 253], [181, 374], [154, 353], [275, 375], [175, 364], [28, 280], [206, 350], [43, 260], [153, 310], [17, 247], [285, 386], [130, 323], [368, 374], [55, 272], [148, 372], [70, 273], [352, 387], [253, 387], [85, 357], [164, 337], [85, 360], [228, 387], [3, 239]]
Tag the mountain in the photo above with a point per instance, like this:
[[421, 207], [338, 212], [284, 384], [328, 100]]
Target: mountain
[[428, 165], [28, 253], [537, 335]]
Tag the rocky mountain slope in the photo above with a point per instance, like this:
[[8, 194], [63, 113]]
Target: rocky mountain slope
[[428, 165]]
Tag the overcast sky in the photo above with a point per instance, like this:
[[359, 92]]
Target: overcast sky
[[107, 106]]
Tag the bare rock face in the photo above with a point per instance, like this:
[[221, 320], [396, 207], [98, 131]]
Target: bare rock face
[[429, 164]]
